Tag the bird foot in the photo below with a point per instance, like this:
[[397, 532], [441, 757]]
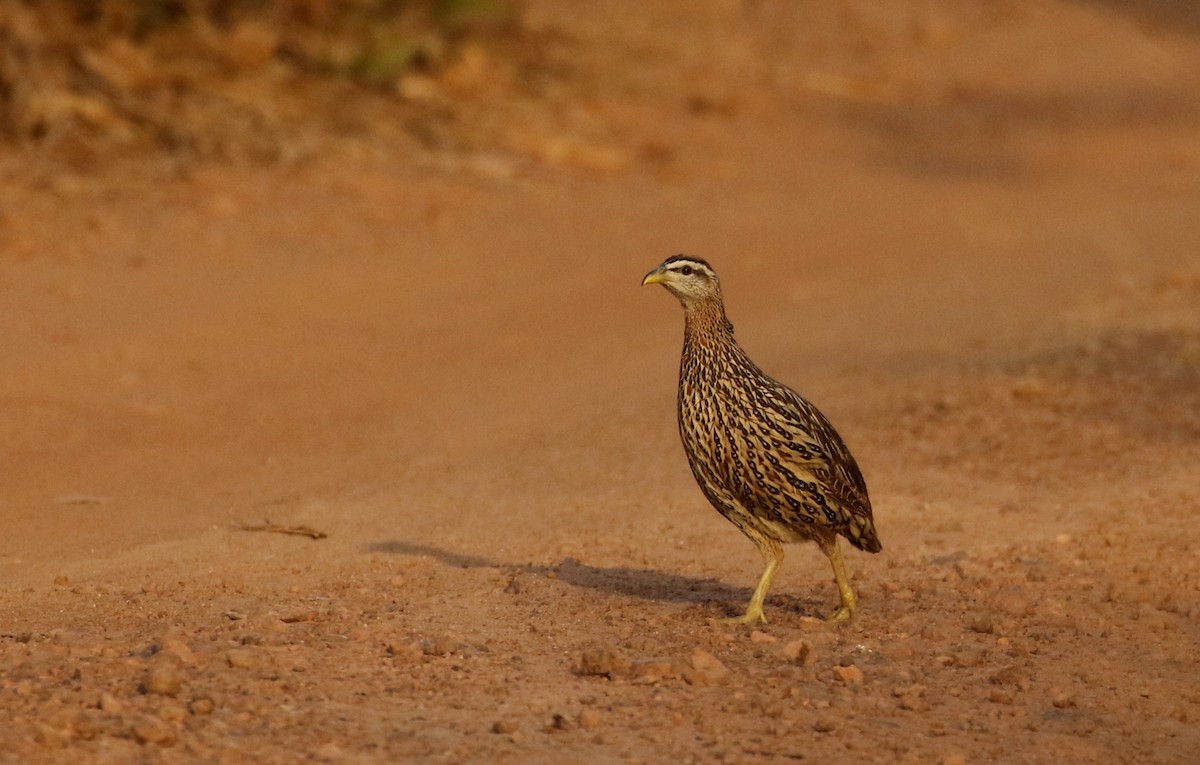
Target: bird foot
[[842, 615], [751, 617]]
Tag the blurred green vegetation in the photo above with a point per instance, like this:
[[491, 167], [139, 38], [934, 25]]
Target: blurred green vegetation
[[220, 78], [378, 39], [141, 17]]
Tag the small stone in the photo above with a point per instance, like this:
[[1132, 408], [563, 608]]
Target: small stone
[[86, 725], [1062, 700], [1000, 696], [241, 658], [201, 706], [590, 718], [162, 680], [442, 645], [110, 705], [706, 669], [605, 661], [1010, 675], [505, 727], [180, 650], [982, 623], [652, 670], [851, 675], [824, 724], [911, 698], [559, 722], [758, 636], [51, 737], [152, 730], [703, 660], [1013, 600], [404, 652], [954, 758], [799, 652]]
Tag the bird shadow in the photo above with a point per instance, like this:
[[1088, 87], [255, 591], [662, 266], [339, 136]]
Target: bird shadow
[[647, 584]]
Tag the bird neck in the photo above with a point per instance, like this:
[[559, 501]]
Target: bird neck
[[705, 323]]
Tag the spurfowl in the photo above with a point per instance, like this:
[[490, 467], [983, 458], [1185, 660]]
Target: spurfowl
[[763, 455]]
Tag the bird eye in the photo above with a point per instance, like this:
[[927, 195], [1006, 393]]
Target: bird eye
[[686, 270]]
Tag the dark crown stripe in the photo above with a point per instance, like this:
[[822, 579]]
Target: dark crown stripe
[[687, 259]]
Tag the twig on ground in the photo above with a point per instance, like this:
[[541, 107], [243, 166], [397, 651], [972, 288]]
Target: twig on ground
[[274, 528]]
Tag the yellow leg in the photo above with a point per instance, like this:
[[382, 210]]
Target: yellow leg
[[849, 601], [772, 553]]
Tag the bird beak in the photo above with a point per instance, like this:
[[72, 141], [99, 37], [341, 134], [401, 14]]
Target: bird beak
[[657, 276]]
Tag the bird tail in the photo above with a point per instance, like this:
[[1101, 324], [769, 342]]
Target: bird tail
[[861, 534]]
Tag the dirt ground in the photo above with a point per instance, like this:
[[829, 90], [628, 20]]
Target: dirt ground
[[969, 235]]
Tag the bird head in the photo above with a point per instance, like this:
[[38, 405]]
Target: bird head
[[690, 279]]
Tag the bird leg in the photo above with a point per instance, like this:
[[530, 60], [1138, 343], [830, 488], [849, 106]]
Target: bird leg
[[772, 553], [833, 550]]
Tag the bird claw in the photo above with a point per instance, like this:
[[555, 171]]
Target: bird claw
[[840, 616], [750, 617]]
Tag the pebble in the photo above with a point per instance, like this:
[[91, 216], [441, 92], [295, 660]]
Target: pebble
[[110, 705], [605, 660], [706, 669], [758, 636], [87, 725], [162, 680], [1063, 700], [51, 737], [402, 651], [201, 706], [651, 670], [152, 730], [1013, 600], [1010, 675], [181, 651], [851, 675], [441, 645], [558, 722], [241, 658], [954, 758], [824, 724], [505, 727], [911, 698], [799, 652], [590, 718], [1000, 696]]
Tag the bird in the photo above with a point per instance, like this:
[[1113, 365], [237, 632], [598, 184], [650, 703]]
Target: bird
[[764, 456]]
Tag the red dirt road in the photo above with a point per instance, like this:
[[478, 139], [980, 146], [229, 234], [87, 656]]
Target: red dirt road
[[449, 368]]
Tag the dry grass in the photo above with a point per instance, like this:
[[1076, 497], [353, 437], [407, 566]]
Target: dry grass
[[84, 83]]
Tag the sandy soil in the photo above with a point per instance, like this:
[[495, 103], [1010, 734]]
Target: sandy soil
[[969, 236]]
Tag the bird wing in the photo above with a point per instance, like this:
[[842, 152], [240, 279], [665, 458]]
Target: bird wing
[[807, 440]]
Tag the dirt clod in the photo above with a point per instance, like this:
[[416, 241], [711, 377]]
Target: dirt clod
[[799, 652], [163, 680], [849, 675], [604, 660]]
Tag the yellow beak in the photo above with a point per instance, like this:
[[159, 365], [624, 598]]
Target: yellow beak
[[657, 276]]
